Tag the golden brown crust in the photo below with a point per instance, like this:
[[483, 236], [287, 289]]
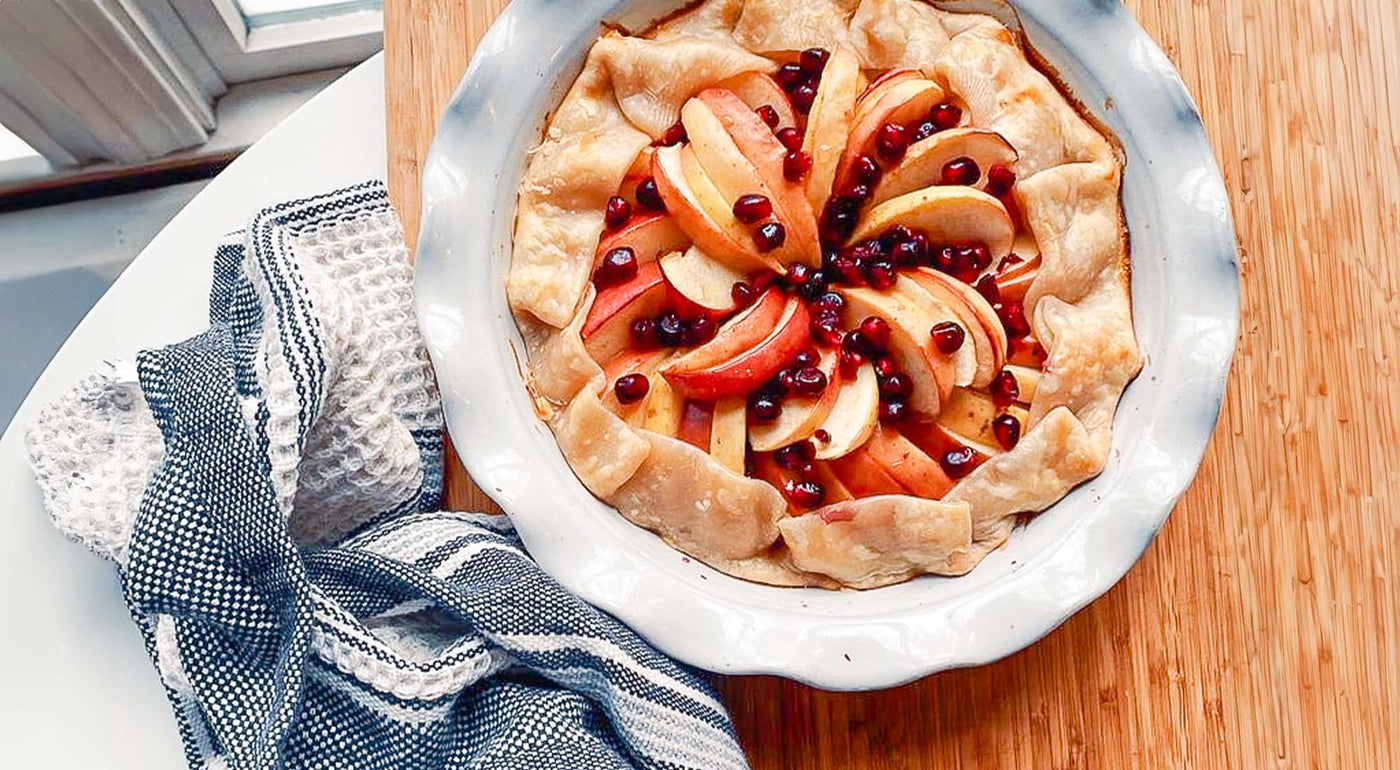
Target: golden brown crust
[[1068, 173]]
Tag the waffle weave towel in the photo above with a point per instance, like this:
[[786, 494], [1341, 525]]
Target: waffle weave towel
[[269, 493]]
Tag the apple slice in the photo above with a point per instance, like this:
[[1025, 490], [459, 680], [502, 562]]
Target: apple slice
[[759, 89], [909, 465], [923, 164], [902, 101], [801, 417], [636, 173], [970, 413], [644, 362], [864, 477], [739, 334], [607, 330], [648, 236], [836, 491], [946, 215], [932, 373], [976, 316], [748, 370], [728, 430], [853, 417], [690, 198], [936, 440], [881, 85], [1016, 279], [704, 282], [696, 420], [756, 141], [1027, 381], [663, 408], [940, 311], [829, 123]]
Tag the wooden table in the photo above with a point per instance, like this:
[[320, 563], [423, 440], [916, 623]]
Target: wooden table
[[1260, 630]]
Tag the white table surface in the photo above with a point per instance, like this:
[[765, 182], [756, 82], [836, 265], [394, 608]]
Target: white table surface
[[76, 687]]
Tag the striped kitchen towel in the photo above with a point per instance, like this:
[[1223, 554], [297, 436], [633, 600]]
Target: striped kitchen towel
[[268, 491]]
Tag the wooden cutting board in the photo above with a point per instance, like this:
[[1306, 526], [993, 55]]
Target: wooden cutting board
[[1261, 628]]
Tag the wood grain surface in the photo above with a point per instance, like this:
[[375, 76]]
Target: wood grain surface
[[1260, 629]]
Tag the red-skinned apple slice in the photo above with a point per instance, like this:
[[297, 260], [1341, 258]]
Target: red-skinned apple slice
[[607, 330], [923, 164], [759, 89], [648, 236], [643, 362], [932, 373], [1027, 382], [909, 465], [728, 431], [1016, 279], [748, 370], [757, 143], [853, 417], [881, 85], [800, 417], [903, 101], [743, 332], [969, 413], [978, 319], [703, 282], [722, 238], [945, 215], [696, 420], [829, 123], [864, 477]]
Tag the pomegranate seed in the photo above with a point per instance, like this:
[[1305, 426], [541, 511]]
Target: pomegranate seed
[[804, 494], [765, 409], [851, 360], [893, 412], [876, 332], [769, 236], [1007, 429], [742, 294], [769, 115], [948, 336], [831, 301], [618, 212], [762, 281], [826, 330], [631, 388], [1013, 317], [987, 287], [618, 266], [857, 191], [813, 60], [796, 164], [999, 180], [785, 383], [848, 268], [880, 275], [885, 367], [960, 171], [674, 135], [1004, 389], [822, 435], [839, 219], [897, 234], [699, 331], [648, 197], [752, 208], [867, 170], [891, 141], [644, 333], [923, 131], [921, 248], [945, 116], [795, 455], [896, 387], [981, 256], [809, 381], [1008, 261], [805, 358], [790, 76], [814, 287], [669, 330], [803, 96], [797, 274], [790, 138], [945, 259], [959, 462]]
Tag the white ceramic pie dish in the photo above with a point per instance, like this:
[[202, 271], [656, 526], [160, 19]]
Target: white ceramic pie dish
[[1186, 309]]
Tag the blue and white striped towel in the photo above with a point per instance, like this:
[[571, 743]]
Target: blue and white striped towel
[[268, 492]]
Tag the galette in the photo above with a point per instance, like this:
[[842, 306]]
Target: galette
[[824, 292]]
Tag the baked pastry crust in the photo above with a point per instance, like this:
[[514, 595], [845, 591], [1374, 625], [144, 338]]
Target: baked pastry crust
[[630, 91]]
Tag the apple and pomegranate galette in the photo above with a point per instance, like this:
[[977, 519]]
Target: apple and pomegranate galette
[[824, 292]]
